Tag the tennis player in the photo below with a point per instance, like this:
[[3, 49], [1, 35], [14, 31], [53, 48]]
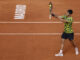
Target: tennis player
[[68, 32]]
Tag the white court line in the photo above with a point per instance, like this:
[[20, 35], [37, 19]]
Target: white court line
[[34, 34], [32, 22]]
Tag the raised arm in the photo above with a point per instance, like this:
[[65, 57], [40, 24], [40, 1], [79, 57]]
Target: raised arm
[[60, 18]]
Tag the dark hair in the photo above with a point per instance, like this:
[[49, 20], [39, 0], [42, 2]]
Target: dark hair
[[70, 11]]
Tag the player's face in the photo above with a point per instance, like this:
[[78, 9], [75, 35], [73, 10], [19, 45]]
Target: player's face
[[68, 14]]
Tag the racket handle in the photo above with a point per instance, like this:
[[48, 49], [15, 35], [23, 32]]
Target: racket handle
[[50, 16]]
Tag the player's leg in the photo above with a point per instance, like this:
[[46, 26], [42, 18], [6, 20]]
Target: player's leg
[[71, 38], [73, 44], [61, 50], [64, 36], [62, 44], [76, 48]]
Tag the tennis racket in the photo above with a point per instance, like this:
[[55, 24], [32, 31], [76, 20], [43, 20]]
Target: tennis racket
[[50, 10]]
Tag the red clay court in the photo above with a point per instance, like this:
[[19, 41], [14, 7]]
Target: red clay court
[[36, 37]]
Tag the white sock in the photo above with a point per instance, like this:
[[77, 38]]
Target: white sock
[[61, 51]]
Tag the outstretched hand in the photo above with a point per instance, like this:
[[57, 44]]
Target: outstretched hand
[[54, 15]]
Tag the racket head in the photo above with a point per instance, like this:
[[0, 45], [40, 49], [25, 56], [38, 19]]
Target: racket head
[[50, 9]]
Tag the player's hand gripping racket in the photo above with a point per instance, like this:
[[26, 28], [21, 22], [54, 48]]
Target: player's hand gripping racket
[[50, 10]]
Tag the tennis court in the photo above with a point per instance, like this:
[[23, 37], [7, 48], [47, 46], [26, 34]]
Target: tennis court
[[36, 37]]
